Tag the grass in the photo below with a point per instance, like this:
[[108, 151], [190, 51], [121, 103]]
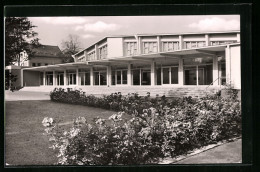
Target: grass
[[25, 143]]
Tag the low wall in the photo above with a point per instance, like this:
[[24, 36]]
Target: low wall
[[31, 78]]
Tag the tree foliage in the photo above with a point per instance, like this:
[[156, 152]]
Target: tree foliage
[[19, 37], [70, 46]]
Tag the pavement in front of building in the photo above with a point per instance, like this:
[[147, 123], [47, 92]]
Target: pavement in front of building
[[227, 153], [25, 95]]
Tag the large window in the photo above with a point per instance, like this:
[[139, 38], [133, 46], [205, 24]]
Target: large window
[[119, 77], [84, 78], [92, 55], [131, 48], [60, 79], [149, 47], [170, 46], [49, 78], [222, 42], [141, 77], [100, 78], [103, 52], [170, 75], [198, 71], [71, 78], [194, 44]]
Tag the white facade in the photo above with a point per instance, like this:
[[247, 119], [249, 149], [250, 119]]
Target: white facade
[[200, 59]]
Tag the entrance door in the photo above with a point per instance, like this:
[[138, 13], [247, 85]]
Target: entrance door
[[191, 77], [136, 77], [146, 77], [166, 75]]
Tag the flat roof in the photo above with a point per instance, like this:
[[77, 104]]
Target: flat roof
[[158, 34]]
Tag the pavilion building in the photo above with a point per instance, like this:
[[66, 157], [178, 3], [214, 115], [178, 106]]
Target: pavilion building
[[147, 62]]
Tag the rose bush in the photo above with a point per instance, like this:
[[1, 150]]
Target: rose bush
[[159, 128]]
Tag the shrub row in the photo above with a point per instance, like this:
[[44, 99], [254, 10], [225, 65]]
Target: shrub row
[[159, 128], [131, 103]]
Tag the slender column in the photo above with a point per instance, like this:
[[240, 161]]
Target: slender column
[[180, 72], [207, 39], [108, 75], [91, 76], [159, 44], [180, 42], [139, 43], [129, 77], [21, 77], [44, 78], [153, 73], [215, 70], [77, 76], [65, 77], [228, 65], [197, 74], [54, 78]]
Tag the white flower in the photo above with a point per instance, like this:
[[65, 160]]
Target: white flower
[[116, 136], [116, 117], [100, 121], [47, 122], [74, 132], [80, 120]]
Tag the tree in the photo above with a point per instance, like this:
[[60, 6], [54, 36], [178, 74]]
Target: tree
[[70, 46], [19, 37]]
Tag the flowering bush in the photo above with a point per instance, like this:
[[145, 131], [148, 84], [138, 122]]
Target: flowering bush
[[159, 128], [131, 103]]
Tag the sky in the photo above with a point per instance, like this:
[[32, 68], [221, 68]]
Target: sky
[[53, 30]]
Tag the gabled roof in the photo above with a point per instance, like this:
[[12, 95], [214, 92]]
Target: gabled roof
[[47, 51]]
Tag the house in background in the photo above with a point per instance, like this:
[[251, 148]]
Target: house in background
[[170, 64], [43, 55]]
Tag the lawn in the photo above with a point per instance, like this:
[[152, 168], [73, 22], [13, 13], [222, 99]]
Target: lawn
[[25, 143]]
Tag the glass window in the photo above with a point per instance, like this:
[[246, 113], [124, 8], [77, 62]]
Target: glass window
[[159, 76], [33, 64], [149, 47], [113, 78], [146, 77], [60, 79], [131, 48], [174, 75], [96, 78], [118, 77], [103, 78], [103, 52], [82, 77], [166, 76], [92, 55], [87, 78], [136, 76], [124, 75]]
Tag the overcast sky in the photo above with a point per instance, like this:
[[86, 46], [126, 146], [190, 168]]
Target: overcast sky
[[52, 30]]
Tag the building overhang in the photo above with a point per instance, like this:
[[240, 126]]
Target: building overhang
[[184, 53]]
